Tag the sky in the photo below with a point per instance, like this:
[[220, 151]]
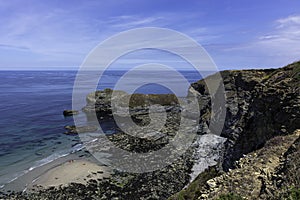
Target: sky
[[55, 34]]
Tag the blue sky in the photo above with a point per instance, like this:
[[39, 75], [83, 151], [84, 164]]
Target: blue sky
[[60, 34]]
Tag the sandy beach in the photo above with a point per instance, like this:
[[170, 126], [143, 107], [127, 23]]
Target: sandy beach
[[73, 171], [63, 171]]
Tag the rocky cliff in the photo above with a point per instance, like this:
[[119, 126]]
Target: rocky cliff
[[260, 105], [271, 172]]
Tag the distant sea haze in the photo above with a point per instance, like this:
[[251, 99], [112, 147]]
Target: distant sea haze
[[32, 124]]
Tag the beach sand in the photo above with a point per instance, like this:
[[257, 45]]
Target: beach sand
[[73, 171], [62, 171]]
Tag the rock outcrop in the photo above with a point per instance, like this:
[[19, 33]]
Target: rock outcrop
[[266, 173], [79, 129], [67, 113], [260, 105], [256, 174]]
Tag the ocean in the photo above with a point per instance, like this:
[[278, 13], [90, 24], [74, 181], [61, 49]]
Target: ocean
[[31, 119]]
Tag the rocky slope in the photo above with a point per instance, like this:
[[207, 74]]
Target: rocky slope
[[266, 173], [260, 105]]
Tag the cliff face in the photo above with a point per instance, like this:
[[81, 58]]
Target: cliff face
[[260, 105], [268, 173]]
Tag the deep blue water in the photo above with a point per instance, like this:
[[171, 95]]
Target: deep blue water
[[31, 120]]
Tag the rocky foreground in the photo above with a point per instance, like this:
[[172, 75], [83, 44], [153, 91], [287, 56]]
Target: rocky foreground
[[258, 160]]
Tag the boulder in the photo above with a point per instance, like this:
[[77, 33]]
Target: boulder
[[70, 112], [79, 129]]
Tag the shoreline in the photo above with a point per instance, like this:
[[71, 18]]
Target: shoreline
[[60, 172], [73, 171]]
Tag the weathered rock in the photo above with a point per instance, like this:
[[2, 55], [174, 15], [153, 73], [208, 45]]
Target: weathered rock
[[100, 101], [70, 112], [80, 129], [254, 176], [258, 104]]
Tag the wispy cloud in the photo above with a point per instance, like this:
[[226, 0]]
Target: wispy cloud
[[65, 32], [13, 47], [285, 37], [279, 46], [286, 28], [289, 21], [57, 32], [134, 21]]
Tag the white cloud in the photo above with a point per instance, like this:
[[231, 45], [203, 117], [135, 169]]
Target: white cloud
[[288, 21], [286, 31], [282, 45], [133, 21], [268, 37], [274, 48]]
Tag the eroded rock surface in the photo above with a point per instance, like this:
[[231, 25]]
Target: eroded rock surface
[[260, 104]]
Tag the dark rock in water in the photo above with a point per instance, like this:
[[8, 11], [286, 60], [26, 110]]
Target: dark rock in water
[[70, 112], [80, 129]]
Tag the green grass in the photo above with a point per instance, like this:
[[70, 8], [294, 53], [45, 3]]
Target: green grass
[[193, 190], [296, 71], [294, 194]]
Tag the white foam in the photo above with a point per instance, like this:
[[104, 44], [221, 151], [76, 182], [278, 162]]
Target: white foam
[[45, 161], [56, 156]]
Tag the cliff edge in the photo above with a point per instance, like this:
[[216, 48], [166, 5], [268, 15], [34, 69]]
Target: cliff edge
[[262, 118]]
